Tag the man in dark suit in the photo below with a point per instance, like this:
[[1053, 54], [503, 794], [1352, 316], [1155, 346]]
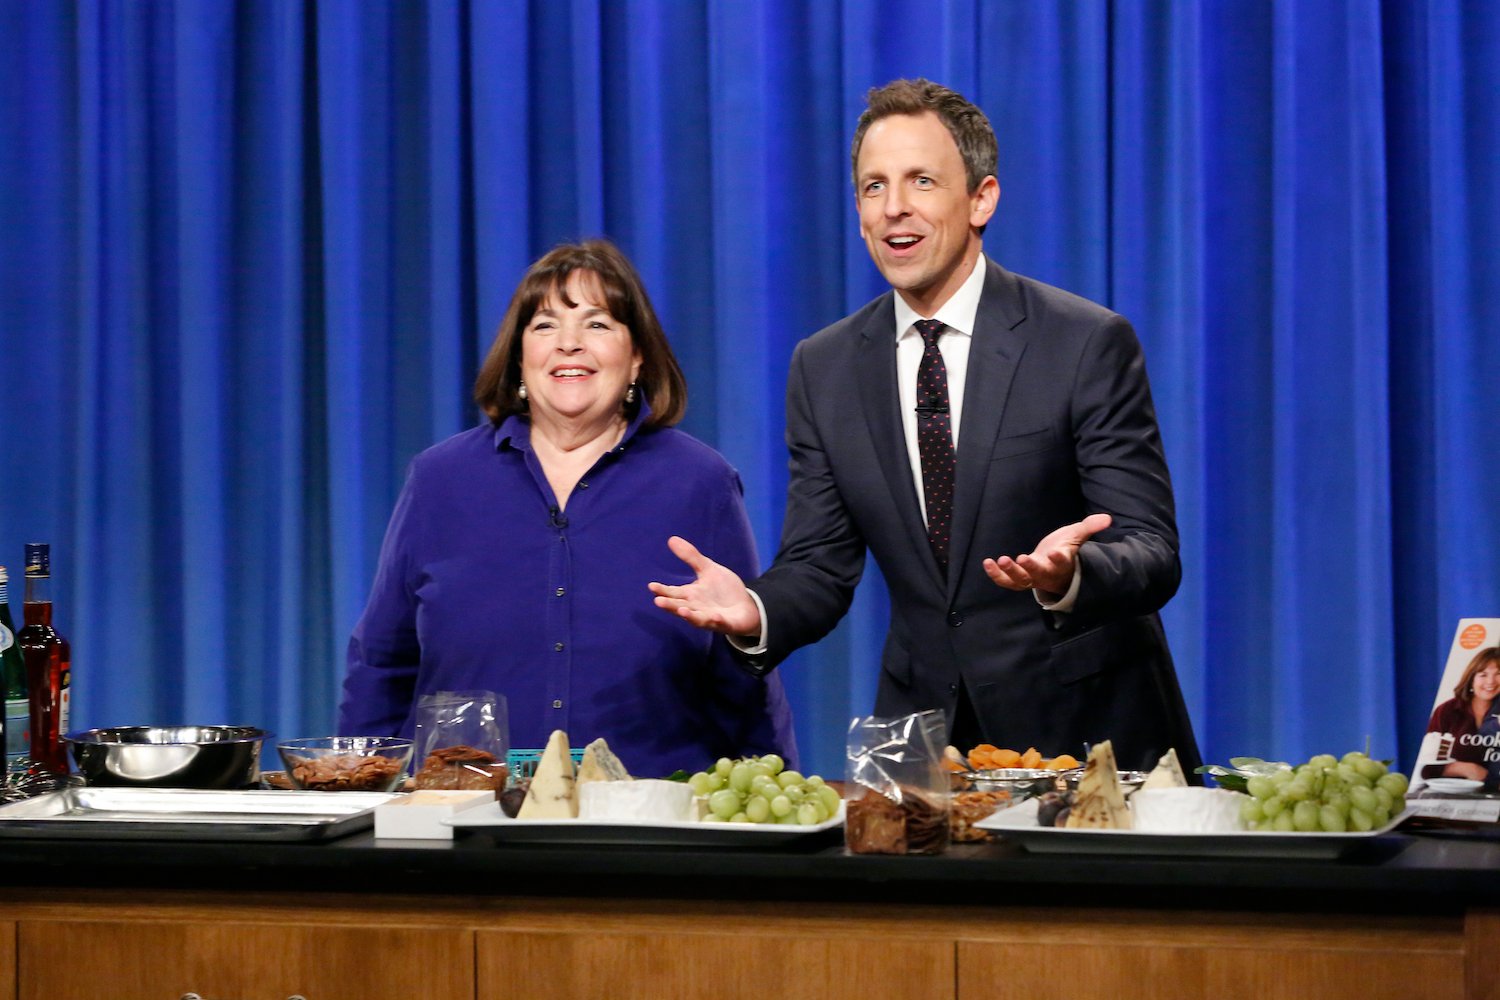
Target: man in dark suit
[[1057, 457]]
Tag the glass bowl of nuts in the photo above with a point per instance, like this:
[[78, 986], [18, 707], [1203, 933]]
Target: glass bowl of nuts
[[346, 763]]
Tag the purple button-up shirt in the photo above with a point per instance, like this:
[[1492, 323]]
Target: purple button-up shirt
[[483, 583]]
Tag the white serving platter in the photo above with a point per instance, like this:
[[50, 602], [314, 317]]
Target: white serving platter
[[491, 819], [1015, 825]]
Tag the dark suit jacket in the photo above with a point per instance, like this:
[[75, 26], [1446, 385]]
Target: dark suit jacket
[[1057, 424]]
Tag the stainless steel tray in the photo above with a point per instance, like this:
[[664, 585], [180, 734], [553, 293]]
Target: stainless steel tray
[[190, 814]]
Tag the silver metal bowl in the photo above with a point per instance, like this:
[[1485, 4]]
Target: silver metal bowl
[[1020, 782], [1129, 780], [169, 756]]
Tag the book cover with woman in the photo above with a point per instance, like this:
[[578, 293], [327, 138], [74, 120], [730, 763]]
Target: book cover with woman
[[1457, 773]]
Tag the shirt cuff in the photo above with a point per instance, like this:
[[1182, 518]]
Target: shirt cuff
[[1062, 604], [738, 641]]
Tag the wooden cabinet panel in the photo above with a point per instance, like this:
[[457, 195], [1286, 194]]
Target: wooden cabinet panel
[[141, 960], [1482, 955], [7, 960], [730, 965], [1210, 970]]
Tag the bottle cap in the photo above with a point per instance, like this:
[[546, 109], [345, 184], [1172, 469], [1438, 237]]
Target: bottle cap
[[38, 559]]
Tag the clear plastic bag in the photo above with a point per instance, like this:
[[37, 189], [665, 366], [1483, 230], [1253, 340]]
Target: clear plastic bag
[[463, 738], [896, 792]]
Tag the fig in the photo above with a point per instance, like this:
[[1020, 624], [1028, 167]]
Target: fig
[[512, 797]]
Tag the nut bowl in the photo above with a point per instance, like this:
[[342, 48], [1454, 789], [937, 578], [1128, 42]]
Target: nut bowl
[[346, 763], [211, 757]]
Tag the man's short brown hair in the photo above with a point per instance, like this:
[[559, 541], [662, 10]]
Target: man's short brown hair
[[965, 122]]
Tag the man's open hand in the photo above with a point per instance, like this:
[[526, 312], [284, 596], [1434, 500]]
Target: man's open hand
[[1049, 567], [717, 600]]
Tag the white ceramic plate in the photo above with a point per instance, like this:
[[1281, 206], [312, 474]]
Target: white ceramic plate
[[491, 819], [1242, 843], [1453, 786]]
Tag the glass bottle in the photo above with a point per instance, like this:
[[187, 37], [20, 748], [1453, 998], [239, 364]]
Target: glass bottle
[[48, 662], [13, 679]]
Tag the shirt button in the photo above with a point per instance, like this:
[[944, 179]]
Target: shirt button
[[560, 591], [953, 689], [557, 703], [955, 619], [583, 484], [557, 646]]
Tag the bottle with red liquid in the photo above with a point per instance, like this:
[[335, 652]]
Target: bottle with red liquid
[[48, 663]]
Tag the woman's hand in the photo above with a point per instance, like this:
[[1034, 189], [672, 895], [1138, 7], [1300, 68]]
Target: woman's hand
[[1465, 769], [717, 600]]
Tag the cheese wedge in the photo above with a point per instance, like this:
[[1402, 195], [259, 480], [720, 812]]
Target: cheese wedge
[[1167, 773], [600, 764], [553, 793], [1099, 804]]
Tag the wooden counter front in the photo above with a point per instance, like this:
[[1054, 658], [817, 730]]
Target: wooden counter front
[[129, 945], [364, 919]]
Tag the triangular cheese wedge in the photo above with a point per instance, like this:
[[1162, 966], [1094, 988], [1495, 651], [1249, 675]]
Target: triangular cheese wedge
[[1167, 773], [1099, 804], [553, 793], [600, 764]]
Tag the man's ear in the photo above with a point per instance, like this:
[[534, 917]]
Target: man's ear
[[983, 201]]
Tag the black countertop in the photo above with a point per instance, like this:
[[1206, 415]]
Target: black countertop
[[1397, 873]]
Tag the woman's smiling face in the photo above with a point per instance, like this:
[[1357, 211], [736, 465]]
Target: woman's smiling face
[[1487, 683], [577, 359]]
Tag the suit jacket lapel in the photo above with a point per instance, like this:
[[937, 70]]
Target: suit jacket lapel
[[876, 371], [993, 357]]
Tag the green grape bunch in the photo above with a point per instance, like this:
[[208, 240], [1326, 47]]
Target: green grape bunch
[[1328, 794], [761, 790]]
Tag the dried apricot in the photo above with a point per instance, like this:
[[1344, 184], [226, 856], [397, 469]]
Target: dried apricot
[[1031, 758], [1006, 758], [1062, 762]]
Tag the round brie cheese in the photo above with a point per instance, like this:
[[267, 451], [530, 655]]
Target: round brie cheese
[[1187, 810], [645, 799]]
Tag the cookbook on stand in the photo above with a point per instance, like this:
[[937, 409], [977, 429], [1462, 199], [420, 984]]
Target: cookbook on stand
[[1457, 773]]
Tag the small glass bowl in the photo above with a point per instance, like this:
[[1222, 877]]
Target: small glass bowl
[[346, 763]]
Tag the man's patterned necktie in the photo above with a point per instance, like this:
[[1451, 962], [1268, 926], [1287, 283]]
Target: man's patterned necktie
[[935, 440]]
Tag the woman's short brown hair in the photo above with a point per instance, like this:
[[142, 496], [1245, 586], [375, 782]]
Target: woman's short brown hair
[[1464, 690], [660, 380]]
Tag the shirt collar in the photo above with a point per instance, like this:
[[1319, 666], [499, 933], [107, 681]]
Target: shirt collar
[[957, 313], [515, 430]]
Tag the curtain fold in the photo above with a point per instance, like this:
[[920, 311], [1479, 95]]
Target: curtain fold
[[251, 256]]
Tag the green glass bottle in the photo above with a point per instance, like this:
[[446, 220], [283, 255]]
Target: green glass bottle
[[13, 679]]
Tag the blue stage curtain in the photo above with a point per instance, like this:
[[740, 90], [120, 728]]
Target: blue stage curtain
[[251, 254]]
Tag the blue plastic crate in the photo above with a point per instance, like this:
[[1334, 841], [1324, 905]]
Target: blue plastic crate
[[522, 763]]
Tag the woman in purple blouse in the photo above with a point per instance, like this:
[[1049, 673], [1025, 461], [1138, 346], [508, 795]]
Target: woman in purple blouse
[[1461, 718], [518, 554]]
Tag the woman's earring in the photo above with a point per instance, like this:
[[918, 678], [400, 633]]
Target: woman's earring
[[630, 393], [522, 392]]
